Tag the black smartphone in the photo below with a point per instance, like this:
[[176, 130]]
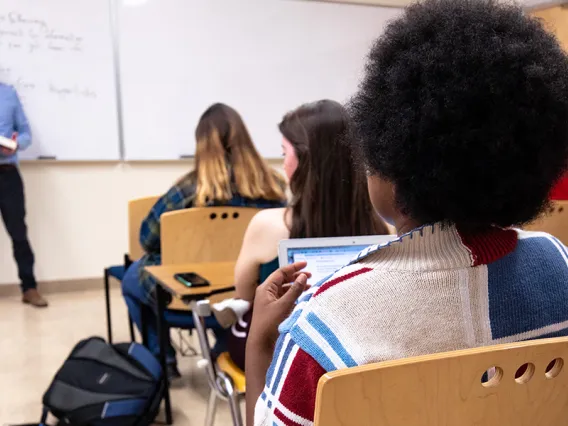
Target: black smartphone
[[191, 279]]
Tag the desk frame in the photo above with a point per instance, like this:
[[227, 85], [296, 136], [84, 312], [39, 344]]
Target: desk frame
[[163, 297]]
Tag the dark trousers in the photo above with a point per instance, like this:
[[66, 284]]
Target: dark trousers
[[13, 211]]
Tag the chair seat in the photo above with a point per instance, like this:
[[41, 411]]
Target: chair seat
[[227, 366], [117, 271]]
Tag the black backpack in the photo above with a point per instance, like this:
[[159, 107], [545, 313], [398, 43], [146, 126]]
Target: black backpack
[[106, 385]]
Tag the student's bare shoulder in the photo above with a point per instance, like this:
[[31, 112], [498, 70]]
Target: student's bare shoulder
[[268, 217], [268, 221]]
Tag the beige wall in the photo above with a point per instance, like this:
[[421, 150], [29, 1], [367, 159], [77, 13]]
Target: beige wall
[[77, 214]]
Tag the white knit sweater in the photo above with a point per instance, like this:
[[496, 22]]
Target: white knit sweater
[[432, 290]]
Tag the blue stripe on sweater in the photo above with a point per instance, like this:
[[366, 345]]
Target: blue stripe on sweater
[[285, 356], [309, 346], [289, 322], [277, 349], [331, 338], [535, 276]]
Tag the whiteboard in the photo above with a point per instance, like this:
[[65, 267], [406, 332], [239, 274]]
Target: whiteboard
[[262, 57], [59, 56]]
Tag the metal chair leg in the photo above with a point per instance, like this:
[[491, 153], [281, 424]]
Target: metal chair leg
[[234, 404], [163, 337], [211, 409], [107, 300], [234, 400], [184, 347]]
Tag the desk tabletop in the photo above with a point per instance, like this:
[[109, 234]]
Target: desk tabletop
[[219, 274]]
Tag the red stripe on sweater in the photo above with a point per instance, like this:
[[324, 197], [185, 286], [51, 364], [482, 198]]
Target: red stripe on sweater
[[489, 246], [285, 419], [338, 280], [300, 386]]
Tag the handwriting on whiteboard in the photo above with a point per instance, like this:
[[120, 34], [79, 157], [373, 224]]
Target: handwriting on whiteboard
[[24, 35], [20, 32], [63, 92]]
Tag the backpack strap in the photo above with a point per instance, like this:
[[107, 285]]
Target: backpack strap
[[126, 407], [146, 359]]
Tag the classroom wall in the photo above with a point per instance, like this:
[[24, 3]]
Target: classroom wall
[[77, 214]]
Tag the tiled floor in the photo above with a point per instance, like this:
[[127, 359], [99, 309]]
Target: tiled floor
[[34, 343]]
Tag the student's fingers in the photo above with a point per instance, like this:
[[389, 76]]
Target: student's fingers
[[297, 274], [286, 274], [287, 287], [294, 291]]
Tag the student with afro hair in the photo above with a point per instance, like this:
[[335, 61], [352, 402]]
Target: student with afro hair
[[461, 124]]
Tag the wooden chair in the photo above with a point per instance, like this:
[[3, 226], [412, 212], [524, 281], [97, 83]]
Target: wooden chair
[[556, 20], [529, 387], [209, 234], [137, 211], [555, 222]]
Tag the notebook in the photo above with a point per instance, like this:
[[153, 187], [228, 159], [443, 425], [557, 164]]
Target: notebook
[[8, 143]]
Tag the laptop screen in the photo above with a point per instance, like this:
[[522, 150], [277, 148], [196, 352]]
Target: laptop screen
[[324, 261]]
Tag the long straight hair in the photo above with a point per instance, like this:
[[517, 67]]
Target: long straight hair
[[227, 161], [329, 194]]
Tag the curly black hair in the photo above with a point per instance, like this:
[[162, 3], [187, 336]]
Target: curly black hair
[[464, 108]]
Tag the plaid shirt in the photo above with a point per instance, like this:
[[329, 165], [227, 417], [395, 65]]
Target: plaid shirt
[[180, 196]]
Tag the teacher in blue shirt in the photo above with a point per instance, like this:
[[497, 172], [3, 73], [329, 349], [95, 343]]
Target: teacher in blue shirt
[[14, 125]]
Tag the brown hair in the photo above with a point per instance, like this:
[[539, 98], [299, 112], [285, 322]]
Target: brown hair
[[329, 195], [226, 160]]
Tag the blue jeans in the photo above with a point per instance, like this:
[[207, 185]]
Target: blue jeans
[[137, 298]]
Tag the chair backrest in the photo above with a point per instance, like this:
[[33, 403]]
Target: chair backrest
[[207, 234], [555, 222], [446, 389], [138, 209]]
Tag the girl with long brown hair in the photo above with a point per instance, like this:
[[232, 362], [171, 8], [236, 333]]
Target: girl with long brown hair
[[329, 199], [228, 171]]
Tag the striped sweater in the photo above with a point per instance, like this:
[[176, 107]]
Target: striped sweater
[[432, 290]]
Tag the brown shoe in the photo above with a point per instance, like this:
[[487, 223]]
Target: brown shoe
[[33, 297]]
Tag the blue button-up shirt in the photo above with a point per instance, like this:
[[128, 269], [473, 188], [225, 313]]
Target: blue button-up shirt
[[13, 120]]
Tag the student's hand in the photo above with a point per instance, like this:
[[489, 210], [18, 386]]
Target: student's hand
[[274, 301]]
